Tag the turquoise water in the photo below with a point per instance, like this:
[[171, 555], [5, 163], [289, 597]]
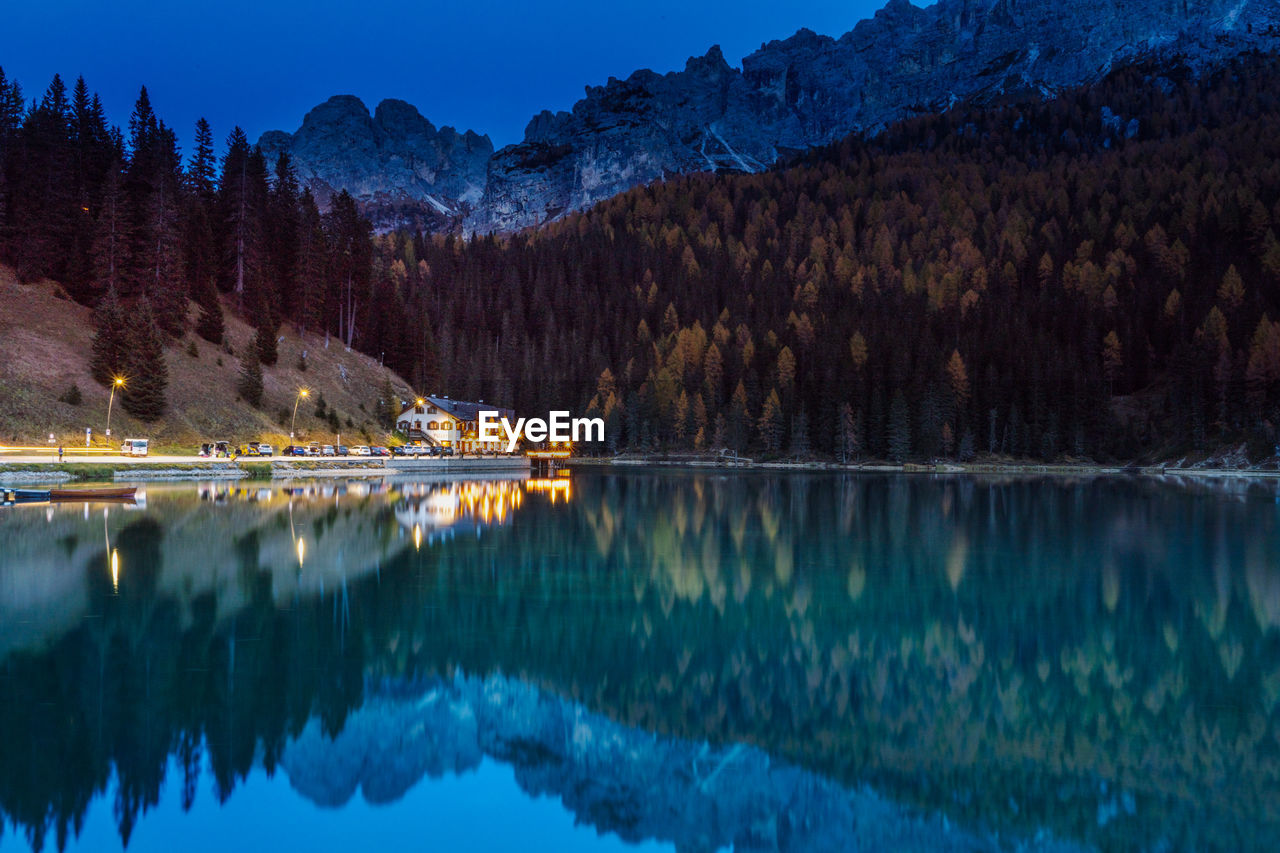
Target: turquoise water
[[666, 659]]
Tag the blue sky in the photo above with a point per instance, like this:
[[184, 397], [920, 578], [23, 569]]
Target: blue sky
[[487, 66]]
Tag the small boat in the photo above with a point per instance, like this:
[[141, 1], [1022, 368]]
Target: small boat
[[26, 496], [120, 494]]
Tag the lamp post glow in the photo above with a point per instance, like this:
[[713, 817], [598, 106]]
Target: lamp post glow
[[117, 382], [302, 392]]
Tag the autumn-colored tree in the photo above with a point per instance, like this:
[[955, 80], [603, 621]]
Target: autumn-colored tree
[[770, 425]]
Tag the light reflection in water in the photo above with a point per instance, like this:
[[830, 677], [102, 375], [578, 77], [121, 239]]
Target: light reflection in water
[[1083, 659]]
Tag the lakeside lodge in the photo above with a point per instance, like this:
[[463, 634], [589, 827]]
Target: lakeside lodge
[[441, 422]]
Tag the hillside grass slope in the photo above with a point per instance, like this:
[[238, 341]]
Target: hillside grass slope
[[45, 341]]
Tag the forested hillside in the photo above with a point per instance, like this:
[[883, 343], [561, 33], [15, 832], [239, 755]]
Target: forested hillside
[[129, 228], [1093, 276], [1098, 275]]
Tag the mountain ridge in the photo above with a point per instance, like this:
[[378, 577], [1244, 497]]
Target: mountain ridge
[[790, 95]]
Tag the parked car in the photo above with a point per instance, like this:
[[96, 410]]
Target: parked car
[[135, 446], [360, 450], [327, 450], [342, 450], [313, 449], [400, 450], [446, 451], [379, 451], [265, 450]]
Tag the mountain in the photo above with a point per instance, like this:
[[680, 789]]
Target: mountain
[[616, 778], [392, 156], [789, 96]]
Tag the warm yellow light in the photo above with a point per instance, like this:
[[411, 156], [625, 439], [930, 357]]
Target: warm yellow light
[[420, 401], [118, 381], [302, 550], [303, 392], [115, 570], [417, 536]]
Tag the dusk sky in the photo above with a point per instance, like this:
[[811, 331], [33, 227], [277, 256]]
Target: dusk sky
[[484, 66]]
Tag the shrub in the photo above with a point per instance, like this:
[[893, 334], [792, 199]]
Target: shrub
[[72, 396]]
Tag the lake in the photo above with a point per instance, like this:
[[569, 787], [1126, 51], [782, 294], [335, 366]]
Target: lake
[[649, 660]]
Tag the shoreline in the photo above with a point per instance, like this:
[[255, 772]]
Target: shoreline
[[1028, 468], [283, 469], [51, 471]]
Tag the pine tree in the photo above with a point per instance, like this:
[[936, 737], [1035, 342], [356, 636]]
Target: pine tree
[[284, 225], [166, 281], [240, 204], [144, 396], [899, 428], [388, 405], [800, 435], [209, 323], [264, 340], [249, 384], [307, 310], [771, 422], [110, 340], [738, 424], [111, 238], [850, 443]]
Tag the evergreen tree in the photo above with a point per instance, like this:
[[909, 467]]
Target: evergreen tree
[[850, 441], [388, 405], [307, 308], [199, 248], [264, 340], [240, 207], [209, 323], [41, 190], [899, 428], [738, 423], [284, 225], [110, 340], [771, 423], [166, 285], [111, 238], [800, 435], [144, 396], [249, 384]]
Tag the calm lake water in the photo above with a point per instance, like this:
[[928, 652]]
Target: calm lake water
[[645, 660]]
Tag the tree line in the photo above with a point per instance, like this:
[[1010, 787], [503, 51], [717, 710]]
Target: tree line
[[1094, 276], [159, 246]]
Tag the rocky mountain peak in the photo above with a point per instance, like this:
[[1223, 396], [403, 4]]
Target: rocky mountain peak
[[789, 95]]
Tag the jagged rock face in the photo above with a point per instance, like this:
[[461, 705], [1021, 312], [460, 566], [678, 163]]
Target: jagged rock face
[[385, 159], [619, 779], [790, 95]]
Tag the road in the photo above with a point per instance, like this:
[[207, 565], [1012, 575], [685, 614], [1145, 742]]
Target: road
[[106, 458]]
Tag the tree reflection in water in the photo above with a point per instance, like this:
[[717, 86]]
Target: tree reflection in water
[[1099, 659]]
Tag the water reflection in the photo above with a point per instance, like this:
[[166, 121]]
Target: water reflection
[[1096, 662]]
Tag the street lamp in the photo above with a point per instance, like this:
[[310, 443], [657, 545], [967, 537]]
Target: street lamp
[[117, 382], [302, 392]]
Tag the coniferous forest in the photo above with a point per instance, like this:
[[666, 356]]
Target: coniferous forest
[[1094, 276]]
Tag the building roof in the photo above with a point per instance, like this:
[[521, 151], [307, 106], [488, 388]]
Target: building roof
[[461, 409]]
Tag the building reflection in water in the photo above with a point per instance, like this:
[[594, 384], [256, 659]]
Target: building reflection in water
[[430, 511]]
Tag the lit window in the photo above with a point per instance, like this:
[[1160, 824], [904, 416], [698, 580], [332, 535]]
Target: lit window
[[417, 410], [433, 425]]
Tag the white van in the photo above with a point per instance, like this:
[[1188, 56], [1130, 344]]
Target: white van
[[134, 447]]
